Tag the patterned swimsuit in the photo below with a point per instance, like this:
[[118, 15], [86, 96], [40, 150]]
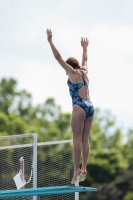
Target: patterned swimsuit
[[85, 104]]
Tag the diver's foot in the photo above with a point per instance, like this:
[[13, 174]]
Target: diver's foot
[[82, 176], [75, 177]]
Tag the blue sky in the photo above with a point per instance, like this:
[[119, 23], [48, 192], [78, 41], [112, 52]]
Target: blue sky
[[26, 56]]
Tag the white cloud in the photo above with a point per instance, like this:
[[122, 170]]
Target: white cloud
[[33, 29], [45, 81], [69, 4]]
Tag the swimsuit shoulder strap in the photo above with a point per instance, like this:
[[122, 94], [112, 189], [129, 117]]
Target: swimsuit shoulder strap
[[83, 76]]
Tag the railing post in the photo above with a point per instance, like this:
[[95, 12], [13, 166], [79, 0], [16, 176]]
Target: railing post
[[77, 193], [34, 163]]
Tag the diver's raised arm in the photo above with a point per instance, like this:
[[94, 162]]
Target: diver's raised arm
[[56, 53], [84, 44]]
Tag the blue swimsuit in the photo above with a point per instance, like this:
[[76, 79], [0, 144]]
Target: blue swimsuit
[[85, 104]]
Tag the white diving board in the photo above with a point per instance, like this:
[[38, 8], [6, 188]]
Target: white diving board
[[44, 191]]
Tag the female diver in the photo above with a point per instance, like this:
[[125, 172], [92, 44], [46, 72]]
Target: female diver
[[83, 110]]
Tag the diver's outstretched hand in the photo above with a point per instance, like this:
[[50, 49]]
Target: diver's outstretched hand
[[49, 35], [84, 42]]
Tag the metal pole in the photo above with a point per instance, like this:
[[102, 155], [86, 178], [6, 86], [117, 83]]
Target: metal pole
[[34, 163], [77, 193]]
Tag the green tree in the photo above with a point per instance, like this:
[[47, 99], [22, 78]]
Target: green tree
[[129, 196], [7, 94]]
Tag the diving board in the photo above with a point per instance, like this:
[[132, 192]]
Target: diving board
[[43, 191]]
